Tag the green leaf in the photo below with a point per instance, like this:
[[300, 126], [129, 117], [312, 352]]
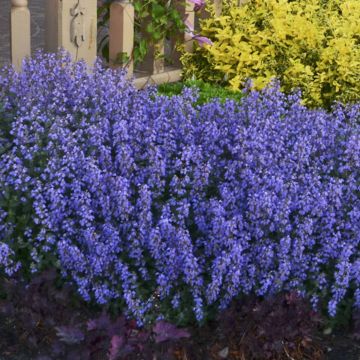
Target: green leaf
[[143, 47], [163, 20], [137, 6], [143, 13], [157, 35], [158, 10], [140, 51], [150, 28], [122, 58]]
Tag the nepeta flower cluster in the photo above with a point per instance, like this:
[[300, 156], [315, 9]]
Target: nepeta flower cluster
[[169, 208]]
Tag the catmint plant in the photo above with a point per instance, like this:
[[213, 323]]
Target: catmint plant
[[171, 209]]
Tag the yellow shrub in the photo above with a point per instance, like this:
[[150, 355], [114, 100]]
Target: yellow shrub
[[313, 45]]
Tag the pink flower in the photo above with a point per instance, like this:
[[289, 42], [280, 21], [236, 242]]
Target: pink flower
[[198, 4], [202, 40]]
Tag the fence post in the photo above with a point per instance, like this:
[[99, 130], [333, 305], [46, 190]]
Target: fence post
[[121, 35], [218, 7], [51, 26], [20, 32], [190, 17], [72, 25]]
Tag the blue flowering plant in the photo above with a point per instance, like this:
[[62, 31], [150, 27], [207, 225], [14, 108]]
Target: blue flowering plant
[[170, 209]]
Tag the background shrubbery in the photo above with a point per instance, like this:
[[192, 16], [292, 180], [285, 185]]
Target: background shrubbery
[[313, 45], [206, 91], [164, 208]]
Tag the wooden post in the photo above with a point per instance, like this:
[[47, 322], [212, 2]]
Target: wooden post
[[72, 25], [190, 16], [121, 35], [20, 32], [218, 7], [51, 26]]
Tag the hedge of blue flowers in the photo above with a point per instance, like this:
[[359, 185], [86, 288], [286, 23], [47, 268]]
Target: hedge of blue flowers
[[171, 209]]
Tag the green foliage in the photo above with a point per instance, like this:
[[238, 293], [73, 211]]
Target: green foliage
[[343, 318], [313, 45], [154, 20], [207, 91]]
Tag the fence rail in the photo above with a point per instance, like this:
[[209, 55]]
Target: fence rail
[[72, 25]]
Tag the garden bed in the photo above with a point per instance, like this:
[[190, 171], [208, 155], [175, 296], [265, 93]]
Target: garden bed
[[138, 223], [281, 327]]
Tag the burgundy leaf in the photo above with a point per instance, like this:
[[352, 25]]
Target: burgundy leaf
[[81, 354], [117, 327], [6, 308], [143, 336], [165, 331], [117, 342], [69, 335], [45, 276], [132, 324], [57, 348], [101, 323]]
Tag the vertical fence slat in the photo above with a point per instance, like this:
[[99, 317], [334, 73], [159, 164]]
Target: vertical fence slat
[[121, 35], [218, 7], [51, 26], [190, 17], [20, 32]]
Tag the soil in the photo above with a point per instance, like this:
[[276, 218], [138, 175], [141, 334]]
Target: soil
[[342, 347], [240, 330], [337, 347]]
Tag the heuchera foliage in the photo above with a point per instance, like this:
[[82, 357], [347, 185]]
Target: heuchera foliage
[[171, 209], [38, 318]]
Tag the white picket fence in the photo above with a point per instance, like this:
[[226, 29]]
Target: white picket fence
[[72, 25]]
